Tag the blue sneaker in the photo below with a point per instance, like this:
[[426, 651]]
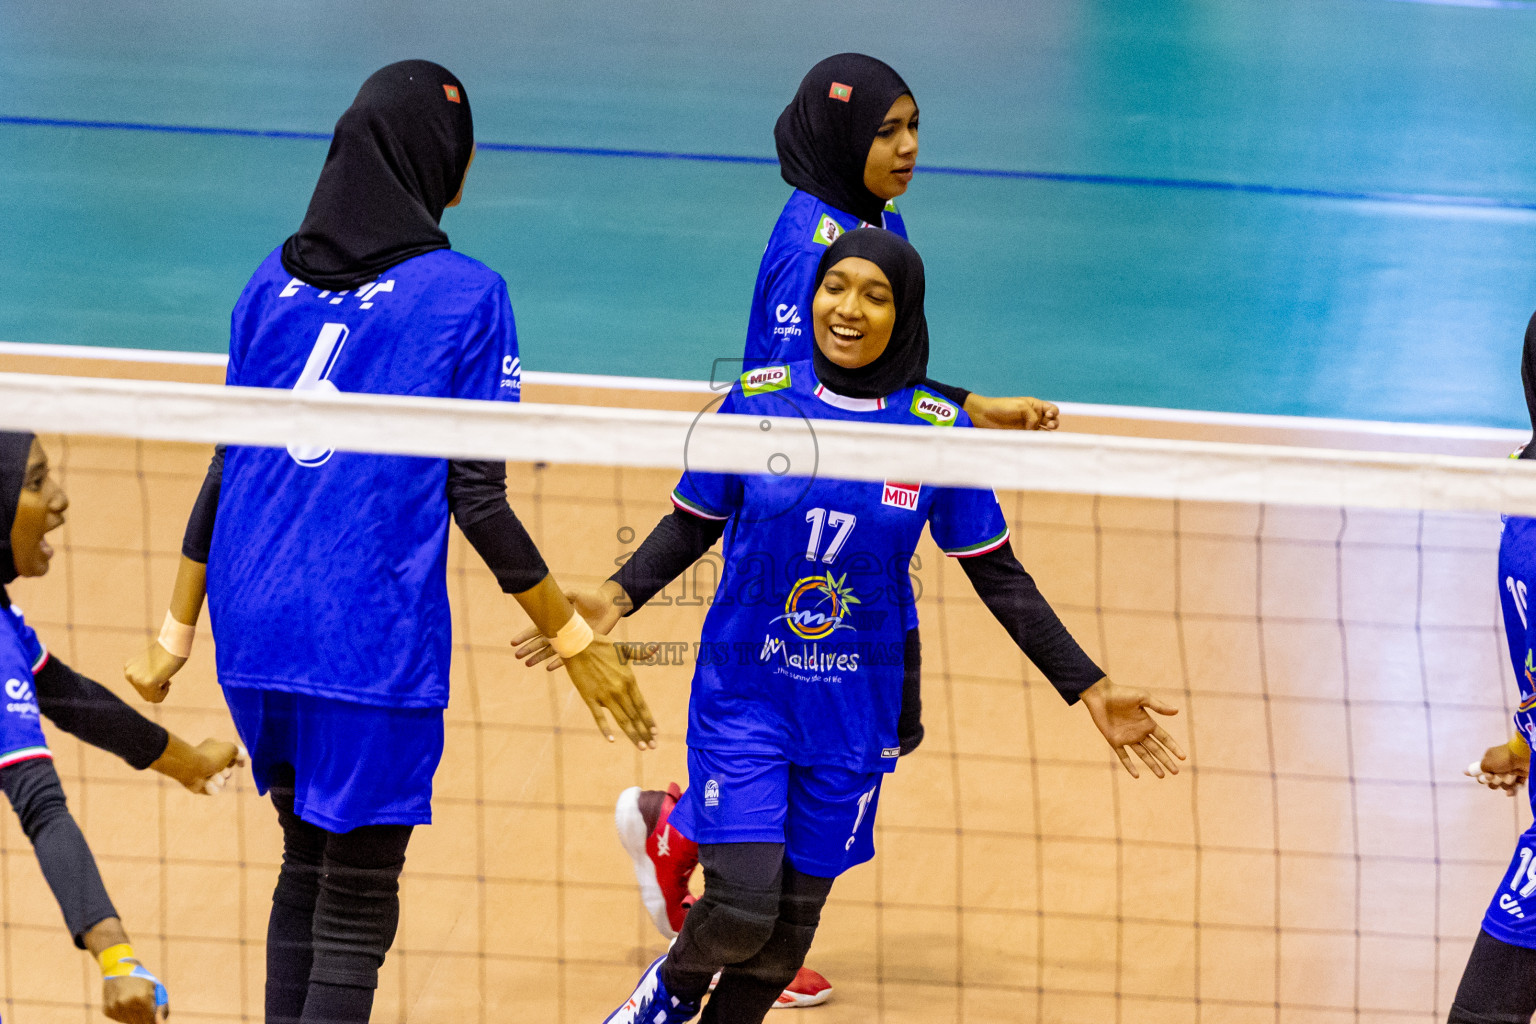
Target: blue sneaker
[[651, 1004]]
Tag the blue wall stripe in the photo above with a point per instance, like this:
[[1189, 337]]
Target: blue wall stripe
[[1119, 180]]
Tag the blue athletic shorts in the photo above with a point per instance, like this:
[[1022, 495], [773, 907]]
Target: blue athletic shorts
[[824, 816], [355, 764], [1511, 915]]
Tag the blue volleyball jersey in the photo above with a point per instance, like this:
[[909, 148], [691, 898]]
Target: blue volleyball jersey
[[779, 327], [1511, 915], [801, 653], [327, 574], [1517, 580], [22, 656]]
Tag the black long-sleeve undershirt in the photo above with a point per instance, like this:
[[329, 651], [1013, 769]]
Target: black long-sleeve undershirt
[[1010, 594], [94, 714], [673, 545], [477, 497], [1008, 591], [34, 791]]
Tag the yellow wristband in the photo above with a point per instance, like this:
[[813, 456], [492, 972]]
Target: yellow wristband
[[574, 637], [176, 637], [1518, 747], [117, 961]]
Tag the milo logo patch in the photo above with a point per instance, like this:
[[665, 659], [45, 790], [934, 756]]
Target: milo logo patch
[[935, 410], [827, 231], [769, 378]]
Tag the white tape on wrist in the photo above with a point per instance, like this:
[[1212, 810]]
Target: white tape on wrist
[[574, 637], [176, 637]]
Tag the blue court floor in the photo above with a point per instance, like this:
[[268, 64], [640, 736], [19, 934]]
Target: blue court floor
[[1314, 207]]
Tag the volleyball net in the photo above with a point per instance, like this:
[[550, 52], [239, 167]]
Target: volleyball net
[[1326, 621]]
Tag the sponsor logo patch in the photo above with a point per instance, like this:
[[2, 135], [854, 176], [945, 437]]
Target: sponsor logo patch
[[891, 752], [840, 91], [935, 410], [769, 378], [22, 701], [827, 232], [900, 495], [512, 372], [788, 318], [711, 793]]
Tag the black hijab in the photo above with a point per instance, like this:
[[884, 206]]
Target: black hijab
[[15, 450], [824, 135], [398, 156], [905, 359]]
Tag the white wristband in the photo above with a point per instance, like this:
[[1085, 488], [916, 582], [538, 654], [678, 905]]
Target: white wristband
[[574, 637], [176, 637]]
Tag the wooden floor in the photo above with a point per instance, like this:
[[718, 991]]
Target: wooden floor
[[1322, 860]]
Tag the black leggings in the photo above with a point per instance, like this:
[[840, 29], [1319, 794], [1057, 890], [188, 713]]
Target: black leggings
[[756, 920], [1498, 986], [334, 915]]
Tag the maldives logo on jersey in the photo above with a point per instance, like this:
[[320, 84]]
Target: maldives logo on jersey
[[816, 607], [760, 382], [934, 410], [452, 92]]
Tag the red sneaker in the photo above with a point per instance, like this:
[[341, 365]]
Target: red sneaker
[[662, 857], [808, 989]]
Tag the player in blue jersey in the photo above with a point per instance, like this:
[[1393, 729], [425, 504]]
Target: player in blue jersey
[[1499, 983], [797, 694], [848, 144], [326, 570], [37, 685]]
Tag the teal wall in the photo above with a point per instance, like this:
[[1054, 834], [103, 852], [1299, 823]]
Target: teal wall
[[1181, 291]]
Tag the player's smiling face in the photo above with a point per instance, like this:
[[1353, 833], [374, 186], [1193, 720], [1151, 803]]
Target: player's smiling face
[[893, 154], [853, 313], [40, 510]]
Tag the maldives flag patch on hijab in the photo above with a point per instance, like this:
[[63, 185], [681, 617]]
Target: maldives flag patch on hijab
[[452, 92], [841, 92]]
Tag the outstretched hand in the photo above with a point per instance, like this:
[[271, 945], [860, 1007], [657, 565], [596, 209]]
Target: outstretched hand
[[602, 608], [605, 682], [1022, 413], [1120, 713], [151, 672]]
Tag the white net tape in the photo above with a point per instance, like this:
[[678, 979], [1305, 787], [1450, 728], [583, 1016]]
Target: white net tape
[[1063, 463]]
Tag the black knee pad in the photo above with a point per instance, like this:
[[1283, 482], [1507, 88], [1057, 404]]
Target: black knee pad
[[730, 923], [781, 957], [357, 911], [800, 905]]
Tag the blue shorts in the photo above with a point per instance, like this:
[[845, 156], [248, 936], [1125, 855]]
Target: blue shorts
[[824, 816], [21, 728], [1511, 915], [354, 764]]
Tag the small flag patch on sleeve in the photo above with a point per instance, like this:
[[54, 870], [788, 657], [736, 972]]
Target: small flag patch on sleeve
[[841, 92], [452, 92]]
